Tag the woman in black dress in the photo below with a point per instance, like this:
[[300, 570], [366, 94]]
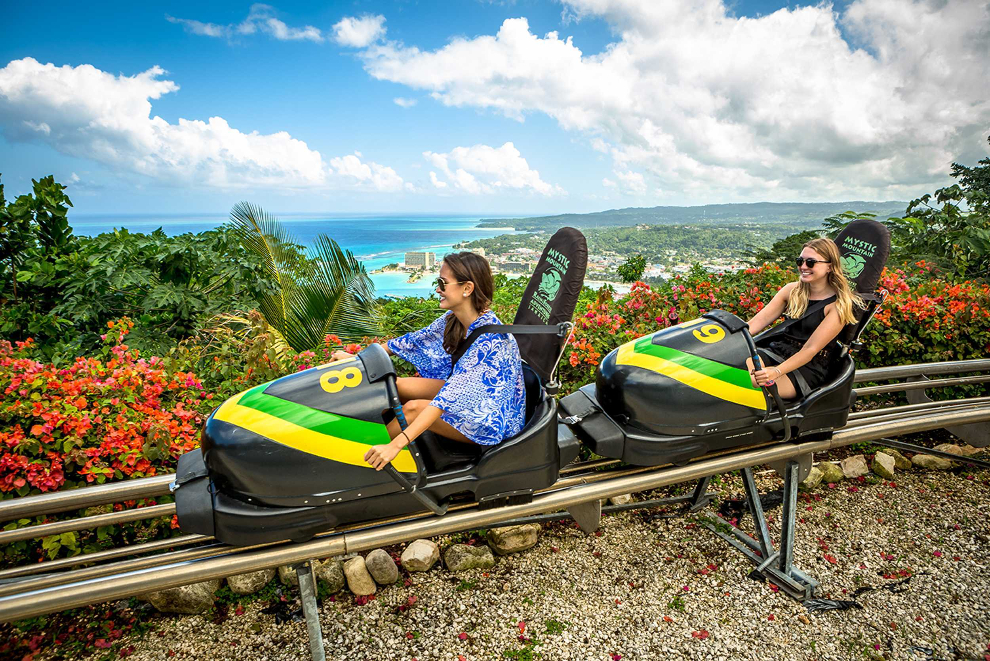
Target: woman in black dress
[[807, 346]]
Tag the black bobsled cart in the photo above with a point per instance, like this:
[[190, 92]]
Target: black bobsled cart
[[284, 460], [685, 391]]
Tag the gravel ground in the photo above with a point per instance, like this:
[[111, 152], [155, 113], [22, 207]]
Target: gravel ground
[[649, 588]]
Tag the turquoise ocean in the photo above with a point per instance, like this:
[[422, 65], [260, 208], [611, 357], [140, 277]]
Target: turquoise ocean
[[375, 240]]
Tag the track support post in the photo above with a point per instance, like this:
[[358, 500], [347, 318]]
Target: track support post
[[311, 611], [776, 566]]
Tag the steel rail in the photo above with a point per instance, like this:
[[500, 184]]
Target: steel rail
[[117, 586], [894, 414], [919, 369], [100, 556], [75, 499], [86, 522], [920, 385], [149, 487], [942, 403]]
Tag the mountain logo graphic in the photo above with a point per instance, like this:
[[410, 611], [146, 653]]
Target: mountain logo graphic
[[853, 265], [550, 284]]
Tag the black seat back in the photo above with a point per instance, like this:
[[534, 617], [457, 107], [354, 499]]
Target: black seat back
[[551, 296], [865, 246], [534, 390]]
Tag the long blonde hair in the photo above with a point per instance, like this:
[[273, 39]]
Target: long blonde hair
[[845, 298]]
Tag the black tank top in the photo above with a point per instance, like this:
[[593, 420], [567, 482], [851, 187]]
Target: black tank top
[[801, 331]]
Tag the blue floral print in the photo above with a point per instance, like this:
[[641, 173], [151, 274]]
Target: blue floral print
[[483, 397]]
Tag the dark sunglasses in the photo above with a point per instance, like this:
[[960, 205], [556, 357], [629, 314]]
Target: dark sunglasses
[[442, 284], [810, 261]]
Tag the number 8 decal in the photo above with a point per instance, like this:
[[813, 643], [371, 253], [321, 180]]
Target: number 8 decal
[[710, 334], [336, 380]]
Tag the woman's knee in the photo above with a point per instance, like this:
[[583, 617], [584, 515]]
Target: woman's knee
[[413, 408]]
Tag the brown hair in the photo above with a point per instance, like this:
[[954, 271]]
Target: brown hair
[[845, 299], [468, 267]]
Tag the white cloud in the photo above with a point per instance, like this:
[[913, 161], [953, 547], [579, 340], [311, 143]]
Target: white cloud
[[629, 182], [435, 180], [404, 102], [85, 112], [710, 106], [351, 172], [261, 18], [359, 32], [482, 169]]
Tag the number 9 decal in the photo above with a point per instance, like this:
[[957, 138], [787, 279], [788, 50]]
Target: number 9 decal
[[336, 380], [710, 334]]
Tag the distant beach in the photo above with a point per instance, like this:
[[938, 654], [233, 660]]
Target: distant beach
[[375, 240]]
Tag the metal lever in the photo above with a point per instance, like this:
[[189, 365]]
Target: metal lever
[[410, 488], [758, 365]]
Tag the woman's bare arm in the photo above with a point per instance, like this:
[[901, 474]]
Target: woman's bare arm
[[380, 455], [772, 311]]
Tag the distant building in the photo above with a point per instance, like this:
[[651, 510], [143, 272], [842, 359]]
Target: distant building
[[421, 260]]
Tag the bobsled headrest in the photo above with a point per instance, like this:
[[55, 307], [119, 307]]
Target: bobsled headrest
[[864, 245], [551, 296]]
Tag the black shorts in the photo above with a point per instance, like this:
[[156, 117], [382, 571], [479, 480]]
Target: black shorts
[[806, 378]]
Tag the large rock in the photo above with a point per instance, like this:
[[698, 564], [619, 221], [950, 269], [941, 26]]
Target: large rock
[[883, 465], [421, 555], [830, 472], [814, 478], [358, 579], [512, 539], [382, 567], [460, 557], [901, 462], [624, 499], [331, 573], [960, 450], [931, 462], [854, 466], [186, 599], [287, 575], [251, 582]]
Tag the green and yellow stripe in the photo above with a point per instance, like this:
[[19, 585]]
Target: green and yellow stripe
[[309, 430], [708, 376]]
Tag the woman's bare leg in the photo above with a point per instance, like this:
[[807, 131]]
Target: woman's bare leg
[[416, 387], [412, 410], [784, 385]]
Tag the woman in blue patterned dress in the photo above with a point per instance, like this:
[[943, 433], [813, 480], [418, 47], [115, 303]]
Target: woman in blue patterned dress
[[481, 399]]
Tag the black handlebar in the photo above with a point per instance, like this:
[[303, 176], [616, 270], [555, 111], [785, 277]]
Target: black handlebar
[[758, 365]]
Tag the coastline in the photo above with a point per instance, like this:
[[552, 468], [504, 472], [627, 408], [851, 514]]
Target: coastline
[[361, 234]]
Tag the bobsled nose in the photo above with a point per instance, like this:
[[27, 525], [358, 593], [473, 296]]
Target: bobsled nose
[[193, 500]]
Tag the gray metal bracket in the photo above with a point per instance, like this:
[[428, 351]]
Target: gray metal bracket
[[976, 434], [775, 566], [311, 611], [587, 515]]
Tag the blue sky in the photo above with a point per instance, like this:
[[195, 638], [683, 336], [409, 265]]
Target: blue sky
[[487, 107]]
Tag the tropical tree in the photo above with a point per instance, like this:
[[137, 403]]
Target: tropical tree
[[951, 227], [633, 268], [325, 292]]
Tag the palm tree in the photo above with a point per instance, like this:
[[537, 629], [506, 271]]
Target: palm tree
[[327, 291]]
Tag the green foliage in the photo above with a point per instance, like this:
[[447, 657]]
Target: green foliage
[[171, 286], [632, 269], [950, 228], [36, 252], [329, 293], [398, 316], [783, 251]]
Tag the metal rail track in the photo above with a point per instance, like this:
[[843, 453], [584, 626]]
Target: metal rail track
[[46, 587]]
